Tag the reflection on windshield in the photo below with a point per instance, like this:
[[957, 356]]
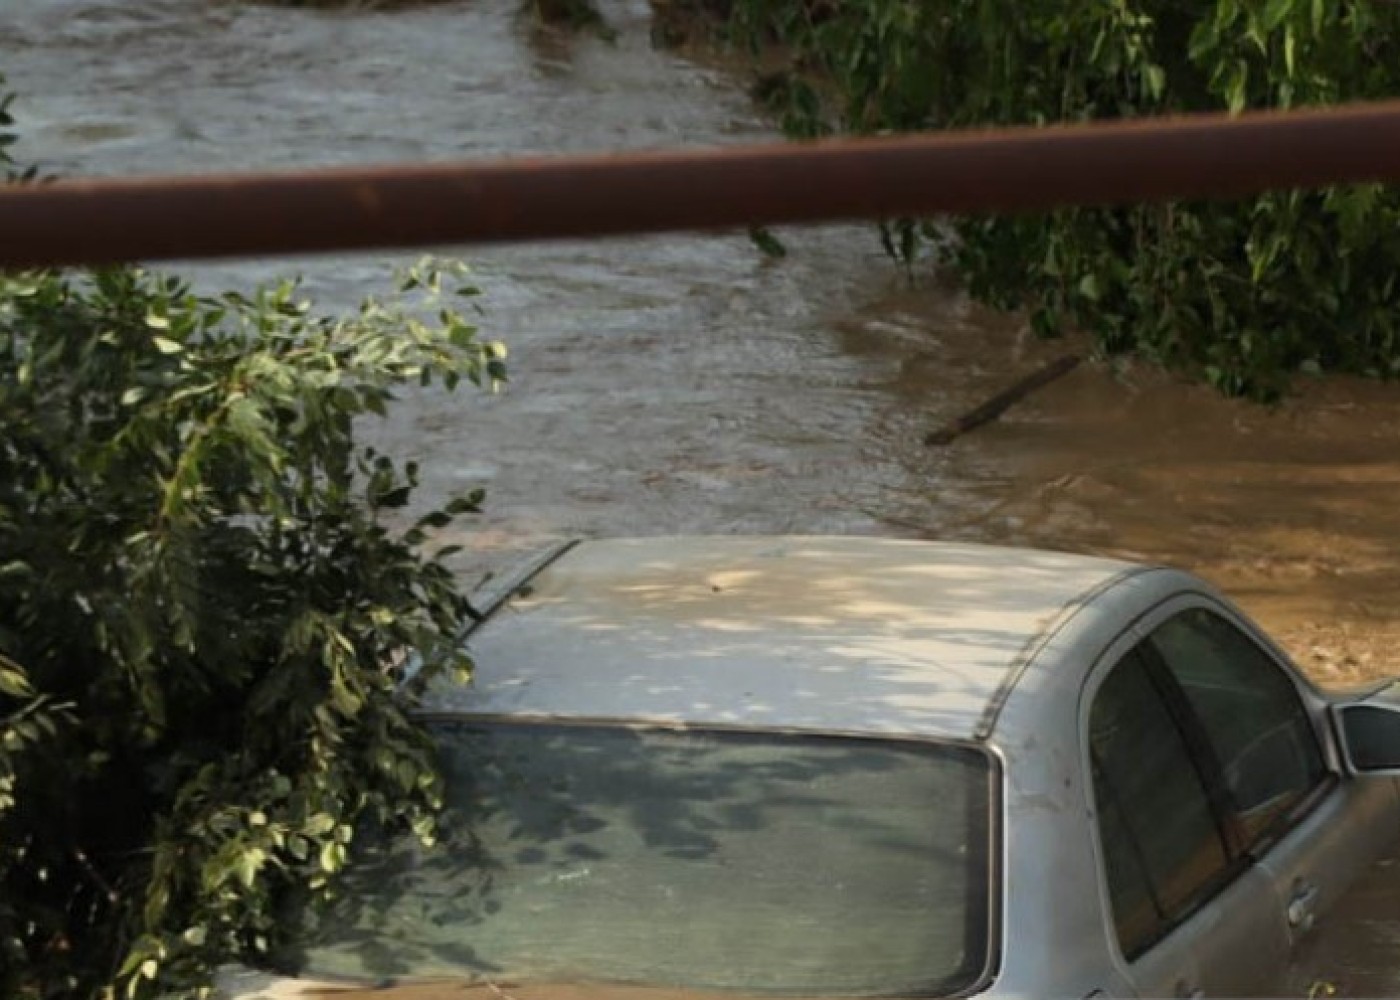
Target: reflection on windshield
[[737, 862]]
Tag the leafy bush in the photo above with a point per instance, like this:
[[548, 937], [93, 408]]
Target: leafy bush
[[203, 616], [1244, 292]]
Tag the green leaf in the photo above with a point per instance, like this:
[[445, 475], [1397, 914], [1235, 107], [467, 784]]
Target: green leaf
[[1235, 87], [346, 701], [1155, 81], [768, 244], [167, 346], [332, 856], [394, 498], [464, 505], [250, 862], [13, 681], [319, 824], [1275, 11]]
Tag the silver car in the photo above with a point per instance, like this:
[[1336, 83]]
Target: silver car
[[840, 767]]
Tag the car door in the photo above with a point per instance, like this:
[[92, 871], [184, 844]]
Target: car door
[[1309, 829], [1188, 913]]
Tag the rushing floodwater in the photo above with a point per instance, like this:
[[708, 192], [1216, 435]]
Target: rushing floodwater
[[686, 384]]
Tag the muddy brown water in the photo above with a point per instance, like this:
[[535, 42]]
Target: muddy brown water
[[686, 384]]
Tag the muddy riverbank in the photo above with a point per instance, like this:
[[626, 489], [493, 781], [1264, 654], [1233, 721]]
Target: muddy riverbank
[[1292, 509]]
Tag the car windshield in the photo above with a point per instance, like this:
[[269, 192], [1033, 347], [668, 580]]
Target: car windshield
[[749, 863]]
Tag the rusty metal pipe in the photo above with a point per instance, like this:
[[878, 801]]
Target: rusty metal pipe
[[1007, 170]]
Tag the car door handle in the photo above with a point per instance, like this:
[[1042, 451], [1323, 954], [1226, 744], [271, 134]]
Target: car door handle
[[1302, 908]]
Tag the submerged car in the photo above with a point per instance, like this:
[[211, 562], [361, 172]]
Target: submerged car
[[847, 767]]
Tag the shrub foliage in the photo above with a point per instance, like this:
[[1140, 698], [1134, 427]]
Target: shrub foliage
[[204, 615], [1245, 292]]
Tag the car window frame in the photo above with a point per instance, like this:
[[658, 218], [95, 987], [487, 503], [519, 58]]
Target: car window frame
[[1134, 636], [1280, 827], [1233, 862], [997, 903]]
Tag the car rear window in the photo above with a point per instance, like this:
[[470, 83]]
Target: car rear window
[[751, 863]]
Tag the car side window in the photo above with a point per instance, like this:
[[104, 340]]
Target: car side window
[[1163, 848], [1254, 720]]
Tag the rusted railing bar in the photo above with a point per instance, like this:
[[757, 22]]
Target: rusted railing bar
[[1011, 170]]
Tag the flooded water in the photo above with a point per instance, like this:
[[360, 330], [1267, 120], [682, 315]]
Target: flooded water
[[687, 384]]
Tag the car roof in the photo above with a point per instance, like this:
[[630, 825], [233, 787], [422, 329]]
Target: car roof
[[832, 634]]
